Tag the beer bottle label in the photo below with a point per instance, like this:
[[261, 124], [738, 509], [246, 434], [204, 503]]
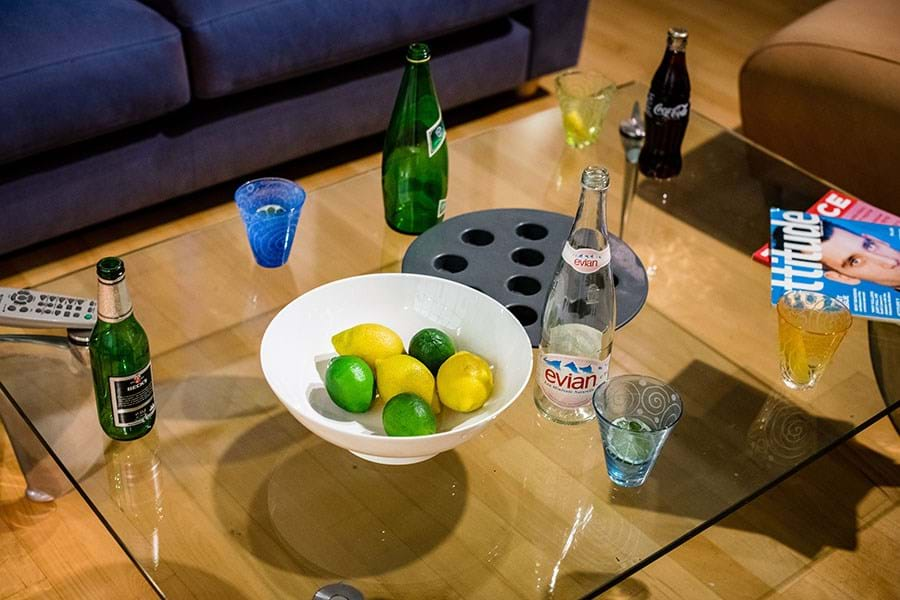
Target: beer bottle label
[[132, 398], [570, 381], [442, 208], [586, 260], [436, 135]]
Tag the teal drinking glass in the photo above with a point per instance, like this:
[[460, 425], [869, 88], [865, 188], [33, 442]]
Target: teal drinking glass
[[636, 414]]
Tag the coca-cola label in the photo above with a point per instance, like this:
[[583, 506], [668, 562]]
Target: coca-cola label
[[669, 113], [586, 260], [570, 381]]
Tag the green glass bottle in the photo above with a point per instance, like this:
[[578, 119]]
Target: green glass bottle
[[120, 359], [414, 161]]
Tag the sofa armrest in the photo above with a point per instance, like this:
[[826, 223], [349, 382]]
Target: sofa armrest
[[825, 93]]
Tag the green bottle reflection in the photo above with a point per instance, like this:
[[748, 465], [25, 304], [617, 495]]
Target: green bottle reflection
[[414, 161], [120, 359]]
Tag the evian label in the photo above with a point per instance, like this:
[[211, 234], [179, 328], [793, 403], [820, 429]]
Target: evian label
[[570, 381], [586, 260]]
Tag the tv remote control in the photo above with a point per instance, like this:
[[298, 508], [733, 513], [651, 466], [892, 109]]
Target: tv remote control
[[38, 309]]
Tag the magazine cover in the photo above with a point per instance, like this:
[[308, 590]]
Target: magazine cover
[[854, 261], [837, 205]]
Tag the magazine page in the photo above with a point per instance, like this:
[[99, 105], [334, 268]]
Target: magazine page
[[854, 261], [838, 205]]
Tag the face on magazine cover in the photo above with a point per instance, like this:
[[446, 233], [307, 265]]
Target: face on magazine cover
[[851, 257]]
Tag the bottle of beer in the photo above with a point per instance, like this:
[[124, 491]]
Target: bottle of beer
[[120, 359], [580, 314], [414, 161], [667, 111]]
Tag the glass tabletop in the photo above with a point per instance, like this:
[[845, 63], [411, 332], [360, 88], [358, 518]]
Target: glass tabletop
[[230, 496]]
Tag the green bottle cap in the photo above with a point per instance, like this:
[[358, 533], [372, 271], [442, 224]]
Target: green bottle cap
[[110, 268], [418, 53]]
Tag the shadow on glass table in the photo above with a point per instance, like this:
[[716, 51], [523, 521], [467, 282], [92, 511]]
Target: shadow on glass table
[[768, 437], [727, 187]]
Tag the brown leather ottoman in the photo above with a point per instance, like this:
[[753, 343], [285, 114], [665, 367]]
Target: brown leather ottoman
[[825, 93]]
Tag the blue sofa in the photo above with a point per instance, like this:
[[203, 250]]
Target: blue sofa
[[108, 107]]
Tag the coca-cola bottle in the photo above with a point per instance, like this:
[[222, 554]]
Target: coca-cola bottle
[[667, 112], [580, 314]]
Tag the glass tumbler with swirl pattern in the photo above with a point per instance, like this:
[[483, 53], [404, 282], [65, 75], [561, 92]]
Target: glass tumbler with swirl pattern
[[270, 208], [636, 414]]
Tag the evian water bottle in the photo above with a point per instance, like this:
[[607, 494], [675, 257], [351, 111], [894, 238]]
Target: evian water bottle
[[580, 315]]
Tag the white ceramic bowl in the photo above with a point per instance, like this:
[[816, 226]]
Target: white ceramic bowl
[[296, 349]]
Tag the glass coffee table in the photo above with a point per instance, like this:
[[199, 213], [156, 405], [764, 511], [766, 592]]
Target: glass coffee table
[[229, 496]]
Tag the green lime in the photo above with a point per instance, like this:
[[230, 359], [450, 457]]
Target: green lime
[[350, 383], [627, 440], [432, 347], [406, 415]]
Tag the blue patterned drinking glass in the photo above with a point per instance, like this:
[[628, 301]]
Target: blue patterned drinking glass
[[636, 414], [270, 208]]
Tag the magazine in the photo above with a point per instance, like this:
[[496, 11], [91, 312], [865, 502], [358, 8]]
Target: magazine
[[837, 205], [854, 261]]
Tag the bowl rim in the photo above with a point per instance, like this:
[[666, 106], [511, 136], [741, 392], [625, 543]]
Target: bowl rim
[[400, 440]]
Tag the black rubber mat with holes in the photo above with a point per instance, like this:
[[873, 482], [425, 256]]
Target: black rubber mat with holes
[[511, 255]]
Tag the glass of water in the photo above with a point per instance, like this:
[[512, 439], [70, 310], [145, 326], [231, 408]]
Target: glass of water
[[270, 208], [636, 414]]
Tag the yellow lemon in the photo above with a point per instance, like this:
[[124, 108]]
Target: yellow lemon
[[403, 374], [465, 382], [369, 341], [795, 356], [575, 125]]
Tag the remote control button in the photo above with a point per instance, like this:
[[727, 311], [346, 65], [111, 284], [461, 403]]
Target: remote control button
[[55, 312], [70, 300], [23, 309], [10, 307], [87, 317], [43, 296], [66, 314], [80, 301], [76, 315]]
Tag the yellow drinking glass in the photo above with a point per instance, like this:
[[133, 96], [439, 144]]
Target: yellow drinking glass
[[810, 329], [584, 99]]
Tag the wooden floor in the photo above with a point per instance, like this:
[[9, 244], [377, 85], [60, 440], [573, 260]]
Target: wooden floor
[[816, 536]]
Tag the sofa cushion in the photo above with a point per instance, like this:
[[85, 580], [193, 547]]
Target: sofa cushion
[[73, 69], [234, 45]]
